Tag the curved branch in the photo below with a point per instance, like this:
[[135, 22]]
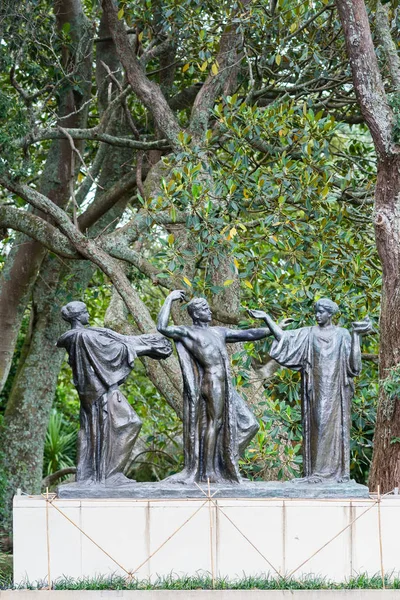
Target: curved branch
[[367, 78], [106, 201], [389, 47], [147, 91], [227, 57], [38, 229], [51, 479], [93, 134]]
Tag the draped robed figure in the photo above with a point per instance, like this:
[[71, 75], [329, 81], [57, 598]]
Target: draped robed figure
[[101, 360], [328, 357]]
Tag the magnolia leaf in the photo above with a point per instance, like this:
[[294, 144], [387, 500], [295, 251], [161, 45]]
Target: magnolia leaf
[[187, 281], [120, 13], [248, 284]]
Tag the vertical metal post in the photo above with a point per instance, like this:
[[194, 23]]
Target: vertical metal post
[[380, 538], [48, 539], [211, 534]]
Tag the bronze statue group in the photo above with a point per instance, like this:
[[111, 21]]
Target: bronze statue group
[[217, 423]]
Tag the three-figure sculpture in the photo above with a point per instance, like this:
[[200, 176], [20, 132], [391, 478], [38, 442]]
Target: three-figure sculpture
[[217, 423]]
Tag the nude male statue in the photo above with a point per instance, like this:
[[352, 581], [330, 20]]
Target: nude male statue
[[217, 423]]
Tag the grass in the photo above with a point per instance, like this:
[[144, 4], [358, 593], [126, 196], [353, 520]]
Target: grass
[[204, 582], [6, 566]]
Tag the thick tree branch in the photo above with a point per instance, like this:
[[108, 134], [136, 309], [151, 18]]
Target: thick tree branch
[[185, 98], [387, 42], [51, 479], [116, 245], [130, 232], [90, 250], [107, 200], [155, 51], [367, 78], [147, 91], [38, 229], [93, 133], [226, 59]]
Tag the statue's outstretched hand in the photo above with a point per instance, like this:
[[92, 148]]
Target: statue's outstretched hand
[[363, 327], [286, 322], [257, 314], [177, 295]]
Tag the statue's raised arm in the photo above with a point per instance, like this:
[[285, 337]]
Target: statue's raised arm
[[328, 357], [171, 331], [218, 425]]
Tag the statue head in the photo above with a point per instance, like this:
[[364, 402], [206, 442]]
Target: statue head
[[75, 311], [199, 310], [324, 311]]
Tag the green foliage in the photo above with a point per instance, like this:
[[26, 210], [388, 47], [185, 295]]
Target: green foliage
[[205, 582], [391, 387], [6, 570], [13, 125], [60, 444], [161, 432]]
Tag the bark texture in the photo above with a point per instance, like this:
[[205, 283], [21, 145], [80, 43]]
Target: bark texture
[[368, 84], [21, 269]]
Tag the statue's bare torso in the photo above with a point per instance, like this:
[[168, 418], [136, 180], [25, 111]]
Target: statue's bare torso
[[207, 347]]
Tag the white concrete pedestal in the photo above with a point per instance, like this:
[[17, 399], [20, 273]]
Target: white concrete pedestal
[[85, 538]]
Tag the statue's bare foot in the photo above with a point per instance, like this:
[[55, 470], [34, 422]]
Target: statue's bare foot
[[184, 477], [314, 479], [87, 482], [299, 480], [118, 479], [344, 479], [309, 479]]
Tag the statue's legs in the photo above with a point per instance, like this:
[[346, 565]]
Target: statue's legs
[[213, 390]]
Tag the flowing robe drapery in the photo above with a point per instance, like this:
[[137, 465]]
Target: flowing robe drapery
[[238, 428], [101, 360], [323, 357]]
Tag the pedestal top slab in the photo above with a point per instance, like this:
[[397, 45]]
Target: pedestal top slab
[[248, 489]]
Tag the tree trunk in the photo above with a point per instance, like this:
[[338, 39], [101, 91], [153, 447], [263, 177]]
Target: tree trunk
[[27, 413], [385, 470], [28, 408], [370, 90], [23, 263]]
